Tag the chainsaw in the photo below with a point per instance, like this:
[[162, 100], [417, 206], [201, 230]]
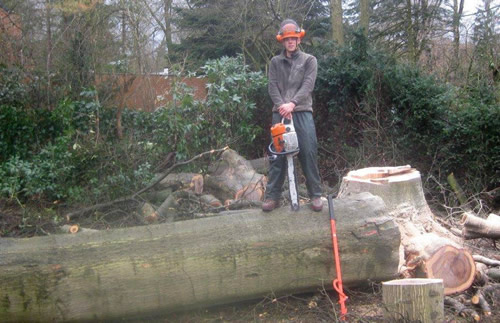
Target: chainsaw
[[286, 143]]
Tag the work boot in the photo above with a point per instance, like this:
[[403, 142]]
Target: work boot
[[317, 204], [269, 205]]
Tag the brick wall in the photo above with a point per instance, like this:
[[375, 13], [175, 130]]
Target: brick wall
[[10, 37], [145, 92]]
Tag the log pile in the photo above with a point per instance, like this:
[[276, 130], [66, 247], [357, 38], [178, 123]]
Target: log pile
[[231, 183]]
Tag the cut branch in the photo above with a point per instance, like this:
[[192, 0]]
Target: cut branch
[[486, 261], [461, 309], [476, 227], [99, 206]]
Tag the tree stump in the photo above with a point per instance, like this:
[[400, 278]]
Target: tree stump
[[427, 249], [413, 300]]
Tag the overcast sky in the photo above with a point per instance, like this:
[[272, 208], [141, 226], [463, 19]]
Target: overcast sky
[[470, 6]]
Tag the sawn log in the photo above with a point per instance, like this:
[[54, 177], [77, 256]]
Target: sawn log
[[156, 269]]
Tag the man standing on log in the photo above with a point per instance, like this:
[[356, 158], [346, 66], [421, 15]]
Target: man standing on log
[[292, 75]]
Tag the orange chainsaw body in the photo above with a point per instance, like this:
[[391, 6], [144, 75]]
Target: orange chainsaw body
[[277, 132]]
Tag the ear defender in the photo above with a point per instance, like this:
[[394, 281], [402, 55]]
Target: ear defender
[[299, 33]]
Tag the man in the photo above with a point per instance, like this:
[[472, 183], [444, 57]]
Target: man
[[292, 75]]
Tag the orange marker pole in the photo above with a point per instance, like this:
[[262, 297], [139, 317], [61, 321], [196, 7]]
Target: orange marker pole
[[337, 282]]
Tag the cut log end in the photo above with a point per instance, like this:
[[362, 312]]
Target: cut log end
[[454, 266]]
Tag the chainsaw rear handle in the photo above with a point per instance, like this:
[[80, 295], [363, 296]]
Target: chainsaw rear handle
[[283, 121], [282, 153]]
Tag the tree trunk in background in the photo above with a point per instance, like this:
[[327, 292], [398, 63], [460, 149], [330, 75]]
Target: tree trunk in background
[[168, 26], [48, 22], [155, 269], [410, 31], [364, 16], [337, 22], [458, 8]]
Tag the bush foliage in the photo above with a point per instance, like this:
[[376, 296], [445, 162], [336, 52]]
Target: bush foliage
[[72, 152], [370, 110]]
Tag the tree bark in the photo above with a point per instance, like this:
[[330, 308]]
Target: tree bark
[[337, 22], [364, 16], [414, 300], [155, 269]]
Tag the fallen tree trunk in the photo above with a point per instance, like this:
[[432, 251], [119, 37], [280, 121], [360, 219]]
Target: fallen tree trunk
[[155, 269]]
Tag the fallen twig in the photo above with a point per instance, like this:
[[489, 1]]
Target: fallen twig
[[486, 261], [460, 309]]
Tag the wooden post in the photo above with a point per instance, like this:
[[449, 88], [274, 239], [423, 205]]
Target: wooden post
[[414, 300]]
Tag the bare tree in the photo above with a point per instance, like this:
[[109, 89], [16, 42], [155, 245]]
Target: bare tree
[[337, 21], [458, 8], [364, 16], [407, 26]]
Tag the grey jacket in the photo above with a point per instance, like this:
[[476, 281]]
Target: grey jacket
[[292, 80]]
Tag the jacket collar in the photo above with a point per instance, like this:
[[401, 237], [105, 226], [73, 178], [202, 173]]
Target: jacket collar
[[294, 54]]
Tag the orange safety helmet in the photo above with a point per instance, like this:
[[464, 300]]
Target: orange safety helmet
[[289, 28]]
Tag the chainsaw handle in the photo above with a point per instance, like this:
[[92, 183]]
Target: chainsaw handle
[[291, 120], [272, 151], [330, 207]]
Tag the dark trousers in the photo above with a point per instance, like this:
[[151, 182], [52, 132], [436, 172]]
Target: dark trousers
[[308, 145]]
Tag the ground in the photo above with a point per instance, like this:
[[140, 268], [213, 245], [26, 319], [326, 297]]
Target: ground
[[363, 305]]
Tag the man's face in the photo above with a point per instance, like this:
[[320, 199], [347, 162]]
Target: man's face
[[291, 43]]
